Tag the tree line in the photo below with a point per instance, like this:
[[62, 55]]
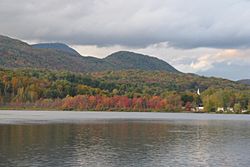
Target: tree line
[[131, 90]]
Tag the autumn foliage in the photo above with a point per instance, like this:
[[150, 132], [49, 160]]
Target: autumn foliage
[[118, 91], [117, 103]]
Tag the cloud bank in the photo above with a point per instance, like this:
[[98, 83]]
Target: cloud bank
[[207, 37], [140, 23]]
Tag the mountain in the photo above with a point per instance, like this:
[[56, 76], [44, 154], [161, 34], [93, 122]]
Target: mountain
[[244, 81], [17, 54], [57, 46], [130, 60]]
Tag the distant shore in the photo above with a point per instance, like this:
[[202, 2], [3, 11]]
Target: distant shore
[[22, 117], [112, 111]]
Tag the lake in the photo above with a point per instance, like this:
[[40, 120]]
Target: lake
[[114, 139]]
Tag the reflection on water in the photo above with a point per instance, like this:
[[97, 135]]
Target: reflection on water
[[127, 143]]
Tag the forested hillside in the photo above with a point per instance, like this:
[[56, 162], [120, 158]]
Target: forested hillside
[[128, 60], [244, 81], [17, 54], [131, 90], [56, 46], [54, 76]]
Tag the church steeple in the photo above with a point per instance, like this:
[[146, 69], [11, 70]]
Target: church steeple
[[198, 91]]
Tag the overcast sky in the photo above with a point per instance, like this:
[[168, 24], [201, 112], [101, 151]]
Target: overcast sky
[[207, 37]]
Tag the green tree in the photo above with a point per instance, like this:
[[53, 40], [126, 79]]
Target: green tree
[[209, 104], [237, 108]]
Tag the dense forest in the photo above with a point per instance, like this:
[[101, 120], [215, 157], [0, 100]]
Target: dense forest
[[55, 56], [130, 90]]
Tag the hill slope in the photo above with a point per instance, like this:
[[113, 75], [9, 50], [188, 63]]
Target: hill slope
[[127, 90], [130, 60], [244, 81], [57, 46], [17, 54]]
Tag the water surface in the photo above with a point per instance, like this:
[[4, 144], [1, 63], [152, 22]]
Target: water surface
[[123, 139]]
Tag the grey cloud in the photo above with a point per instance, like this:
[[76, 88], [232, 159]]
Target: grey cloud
[[182, 24]]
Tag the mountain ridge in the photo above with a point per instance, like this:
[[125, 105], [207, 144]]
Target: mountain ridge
[[17, 54], [58, 46], [133, 60], [244, 81]]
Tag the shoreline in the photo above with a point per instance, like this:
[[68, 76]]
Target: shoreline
[[40, 117], [49, 109]]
